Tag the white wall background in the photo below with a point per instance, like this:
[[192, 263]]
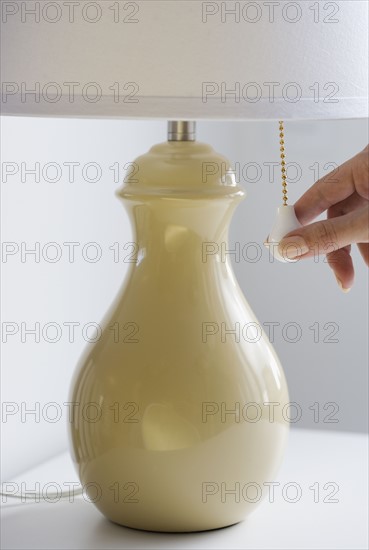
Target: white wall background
[[80, 211]]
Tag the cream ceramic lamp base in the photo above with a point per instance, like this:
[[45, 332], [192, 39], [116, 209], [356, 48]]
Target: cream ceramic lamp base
[[184, 435]]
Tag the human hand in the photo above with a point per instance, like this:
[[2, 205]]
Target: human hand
[[344, 193]]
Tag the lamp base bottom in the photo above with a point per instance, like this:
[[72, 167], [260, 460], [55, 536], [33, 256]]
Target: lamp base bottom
[[177, 531]]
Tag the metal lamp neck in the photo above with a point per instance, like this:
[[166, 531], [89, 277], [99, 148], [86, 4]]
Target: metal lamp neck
[[181, 130]]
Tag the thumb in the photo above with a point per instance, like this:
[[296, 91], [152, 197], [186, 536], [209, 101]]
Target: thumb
[[326, 236]]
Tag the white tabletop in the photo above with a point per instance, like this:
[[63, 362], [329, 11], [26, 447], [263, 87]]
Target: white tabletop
[[322, 466]]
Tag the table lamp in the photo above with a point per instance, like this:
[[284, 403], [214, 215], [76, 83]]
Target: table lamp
[[180, 421]]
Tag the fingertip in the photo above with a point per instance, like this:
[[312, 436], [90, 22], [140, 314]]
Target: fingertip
[[341, 263], [339, 282]]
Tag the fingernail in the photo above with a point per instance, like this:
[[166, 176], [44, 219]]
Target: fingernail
[[292, 247], [339, 282]]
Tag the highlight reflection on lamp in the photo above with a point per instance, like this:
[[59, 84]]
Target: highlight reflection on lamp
[[170, 463]]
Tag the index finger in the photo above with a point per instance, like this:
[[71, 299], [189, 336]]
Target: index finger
[[327, 191]]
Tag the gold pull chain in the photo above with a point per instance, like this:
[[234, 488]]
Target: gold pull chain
[[283, 163]]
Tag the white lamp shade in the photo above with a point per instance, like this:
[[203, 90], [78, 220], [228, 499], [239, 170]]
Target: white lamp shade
[[185, 59]]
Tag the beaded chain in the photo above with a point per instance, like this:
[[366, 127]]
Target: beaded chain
[[283, 163]]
